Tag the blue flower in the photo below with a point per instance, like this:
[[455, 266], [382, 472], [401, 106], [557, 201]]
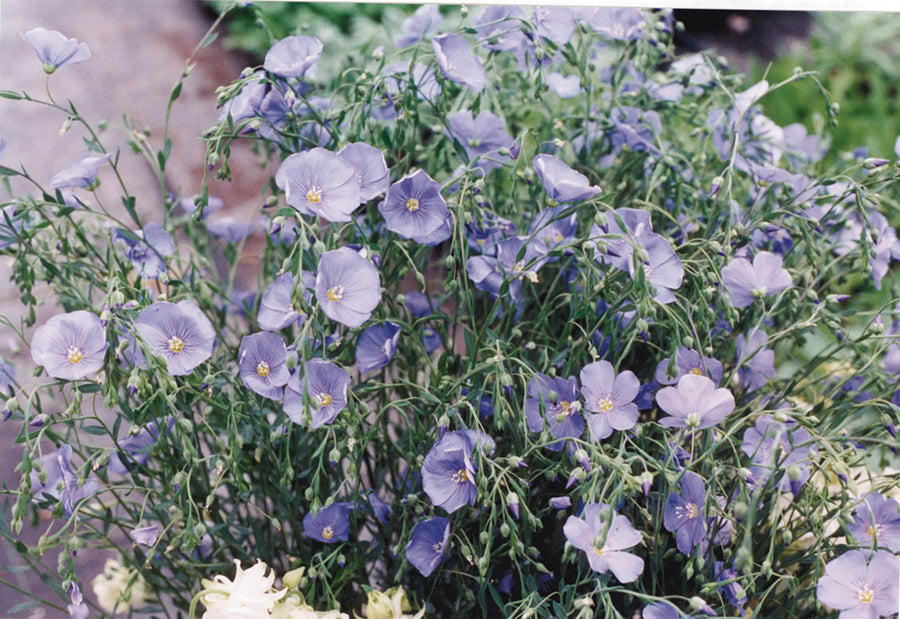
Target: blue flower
[[377, 346], [330, 525], [54, 49], [419, 25], [449, 474], [276, 308], [415, 209], [324, 385], [745, 282], [147, 251], [348, 287], [318, 182], [61, 482], [481, 136], [70, 346], [562, 183], [82, 173], [293, 56], [457, 62], [556, 401], [373, 173], [262, 360], [179, 333], [428, 544], [606, 553]]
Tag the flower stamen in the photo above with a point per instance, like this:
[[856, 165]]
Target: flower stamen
[[74, 355], [262, 369], [176, 344]]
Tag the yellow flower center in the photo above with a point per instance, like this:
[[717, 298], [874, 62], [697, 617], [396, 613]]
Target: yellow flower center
[[262, 369], [866, 596], [696, 372], [327, 532], [75, 355], [323, 399], [412, 205], [336, 293], [176, 344], [314, 195], [605, 405], [691, 510], [874, 530], [461, 476]]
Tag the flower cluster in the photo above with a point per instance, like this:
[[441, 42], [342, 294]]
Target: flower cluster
[[537, 317]]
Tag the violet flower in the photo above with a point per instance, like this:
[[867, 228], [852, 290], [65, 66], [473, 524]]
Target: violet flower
[[82, 173], [609, 398], [449, 474], [876, 519], [773, 445], [734, 592], [262, 360], [330, 524], [482, 136], [62, 483], [499, 27], [858, 588], [746, 282], [556, 401], [606, 553], [348, 287], [428, 544], [324, 384], [179, 333], [231, 229], [562, 183], [148, 250], [70, 346], [556, 23], [553, 230], [414, 207], [685, 514], [616, 23], [422, 23], [318, 182], [660, 610], [276, 307], [419, 77], [144, 536], [689, 361], [77, 608], [376, 347], [755, 363], [293, 56], [694, 403], [372, 170], [54, 49], [457, 61], [136, 447]]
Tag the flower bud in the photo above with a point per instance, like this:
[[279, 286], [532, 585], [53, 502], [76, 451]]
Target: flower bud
[[291, 580]]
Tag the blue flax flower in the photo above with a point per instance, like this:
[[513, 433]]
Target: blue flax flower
[[54, 49], [179, 333], [609, 398], [428, 544], [606, 552], [745, 281], [330, 524], [70, 346], [293, 56], [481, 136], [660, 610], [148, 250], [276, 307], [348, 287], [136, 447], [370, 166], [876, 518], [377, 346], [324, 384], [457, 61], [688, 361], [562, 183], [318, 182], [755, 362], [552, 229], [861, 589], [262, 359], [773, 446], [694, 403], [82, 173], [415, 209], [685, 514], [449, 473], [556, 401], [424, 22], [62, 483]]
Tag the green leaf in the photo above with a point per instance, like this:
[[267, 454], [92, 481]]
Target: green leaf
[[89, 388], [176, 92], [11, 94], [23, 606], [95, 430], [212, 36], [4, 171]]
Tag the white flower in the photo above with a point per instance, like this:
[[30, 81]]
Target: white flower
[[248, 596], [293, 607], [119, 588]]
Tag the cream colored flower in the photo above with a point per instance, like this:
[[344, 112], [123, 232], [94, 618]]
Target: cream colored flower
[[248, 596], [293, 607], [392, 604], [119, 588]]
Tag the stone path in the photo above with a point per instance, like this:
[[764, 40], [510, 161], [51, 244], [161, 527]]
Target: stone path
[[138, 51]]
